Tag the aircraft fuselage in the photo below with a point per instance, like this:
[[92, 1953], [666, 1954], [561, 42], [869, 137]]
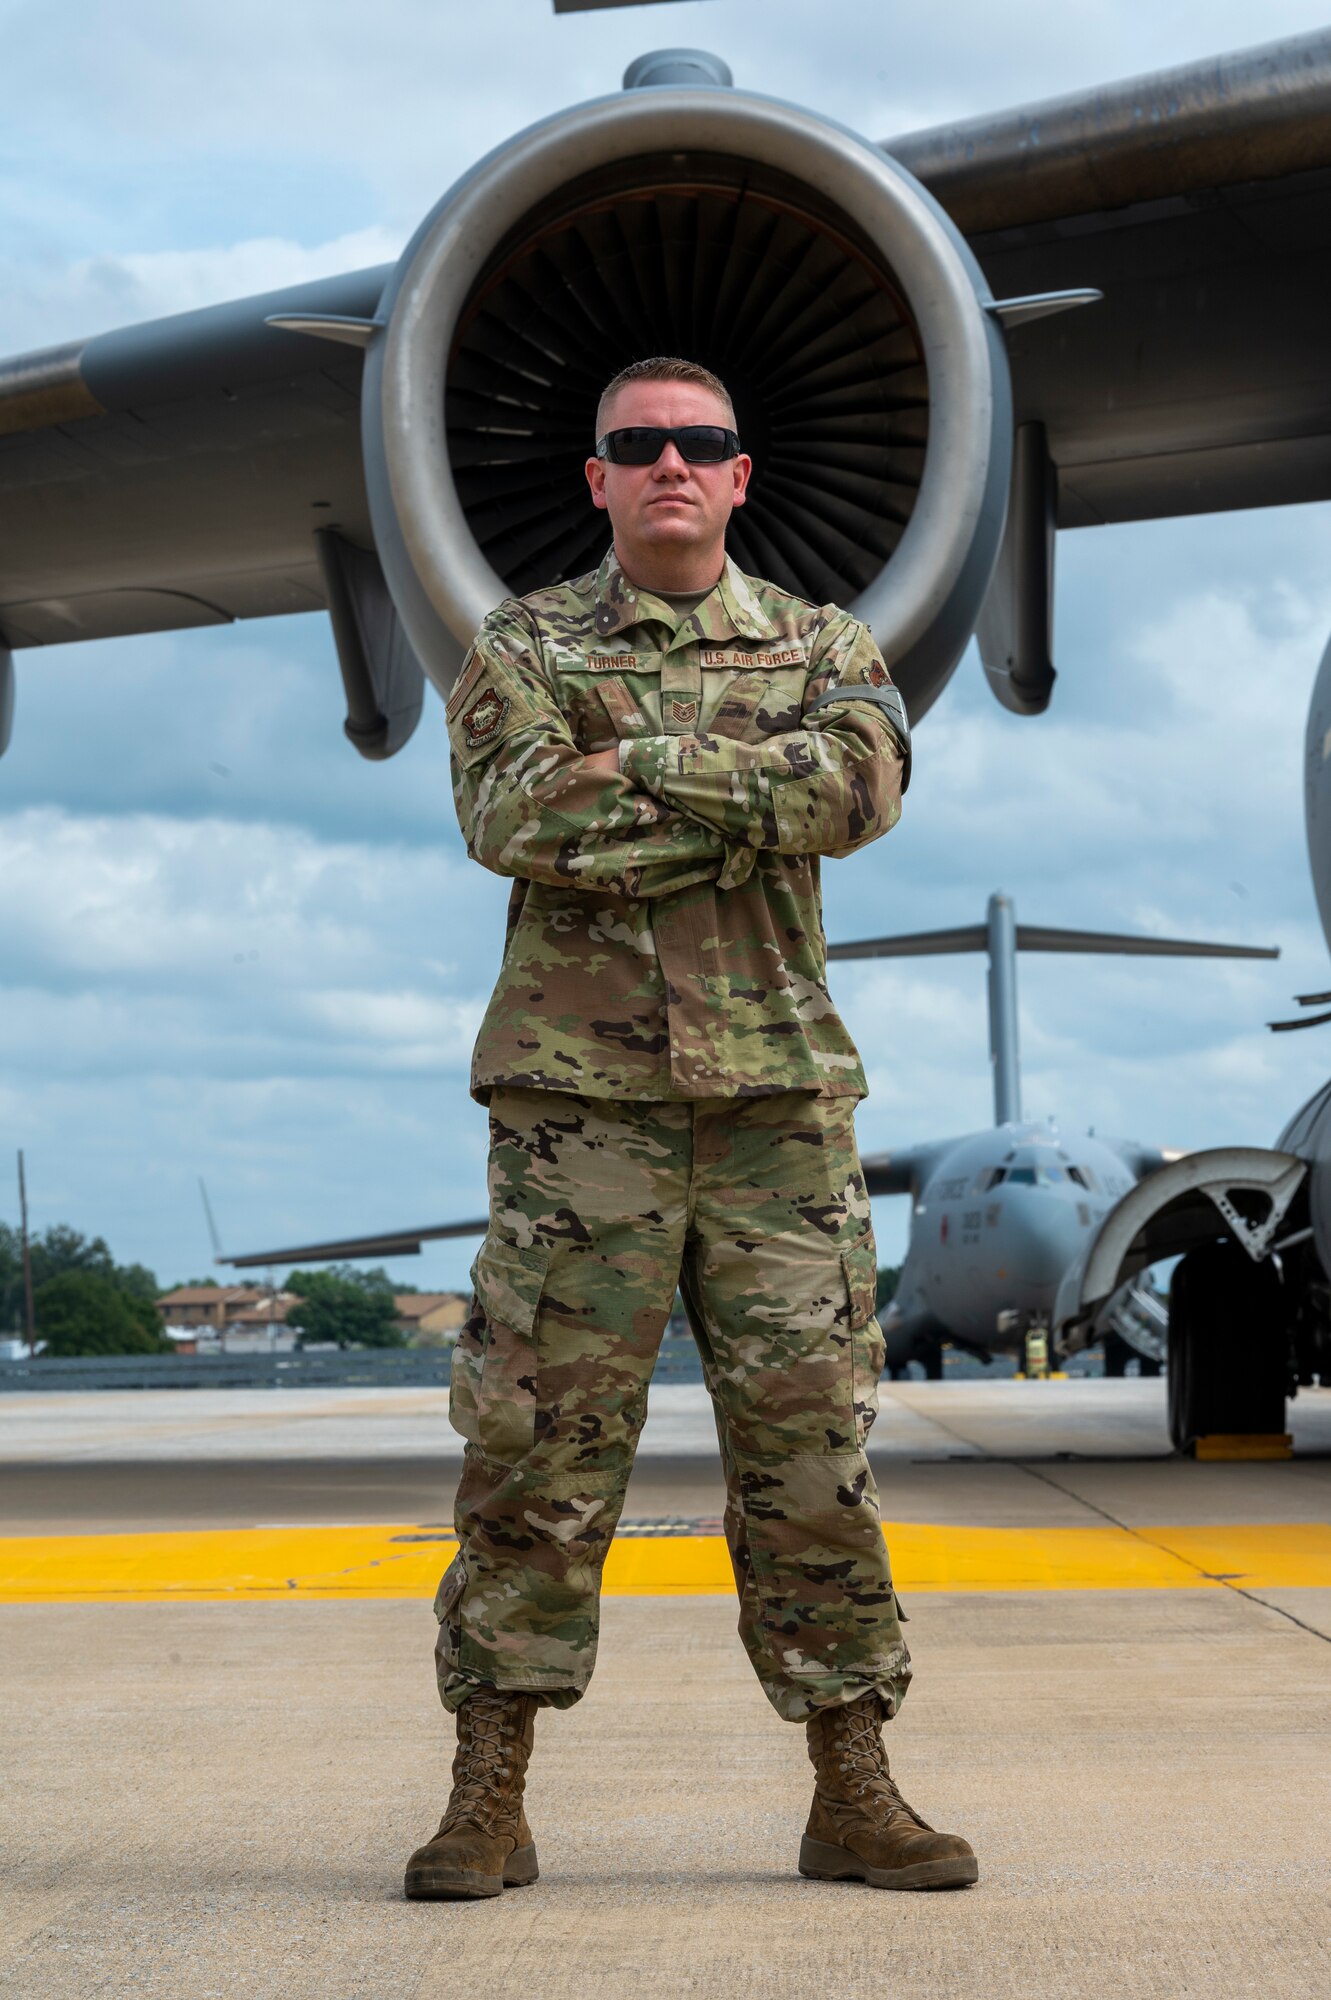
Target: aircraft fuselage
[[993, 1229]]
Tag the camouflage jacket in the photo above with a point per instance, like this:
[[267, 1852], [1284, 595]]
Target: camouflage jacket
[[665, 931]]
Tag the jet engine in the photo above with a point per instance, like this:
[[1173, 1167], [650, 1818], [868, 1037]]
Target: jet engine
[[833, 295]]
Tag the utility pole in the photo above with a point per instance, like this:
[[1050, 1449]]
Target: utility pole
[[29, 1314]]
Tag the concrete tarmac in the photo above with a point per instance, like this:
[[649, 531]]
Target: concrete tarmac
[[215, 1799]]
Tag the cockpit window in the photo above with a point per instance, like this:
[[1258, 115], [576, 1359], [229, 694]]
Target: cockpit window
[[990, 1178], [1035, 1176], [1076, 1174]]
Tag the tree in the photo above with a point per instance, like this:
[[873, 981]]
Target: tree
[[11, 1280], [56, 1252], [353, 1308], [81, 1312]]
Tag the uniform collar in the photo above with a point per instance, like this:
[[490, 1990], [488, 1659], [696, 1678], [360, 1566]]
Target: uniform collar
[[730, 611]]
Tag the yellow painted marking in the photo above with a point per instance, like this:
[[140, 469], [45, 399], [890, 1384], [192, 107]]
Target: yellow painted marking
[[221, 1564]]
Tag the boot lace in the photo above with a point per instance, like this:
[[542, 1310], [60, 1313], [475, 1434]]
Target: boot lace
[[485, 1767], [861, 1760]]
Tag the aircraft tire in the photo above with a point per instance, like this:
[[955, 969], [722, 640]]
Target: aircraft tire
[[932, 1362], [1228, 1339]]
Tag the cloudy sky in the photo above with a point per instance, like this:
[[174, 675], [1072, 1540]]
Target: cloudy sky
[[233, 949]]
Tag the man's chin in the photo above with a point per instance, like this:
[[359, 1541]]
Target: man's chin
[[681, 528]]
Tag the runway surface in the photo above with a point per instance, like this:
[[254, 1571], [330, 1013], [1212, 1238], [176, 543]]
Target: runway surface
[[223, 1736]]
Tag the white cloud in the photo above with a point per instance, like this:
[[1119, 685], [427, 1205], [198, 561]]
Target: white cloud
[[142, 899], [401, 1030], [70, 301]]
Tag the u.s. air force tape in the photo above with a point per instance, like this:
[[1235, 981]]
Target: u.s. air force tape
[[886, 698]]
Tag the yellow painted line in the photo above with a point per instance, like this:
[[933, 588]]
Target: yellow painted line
[[220, 1564]]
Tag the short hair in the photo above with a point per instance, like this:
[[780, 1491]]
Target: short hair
[[664, 368]]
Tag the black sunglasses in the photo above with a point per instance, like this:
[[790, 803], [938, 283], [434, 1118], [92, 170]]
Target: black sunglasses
[[642, 444]]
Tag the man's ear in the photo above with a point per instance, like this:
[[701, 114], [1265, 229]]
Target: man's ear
[[595, 469], [741, 467]]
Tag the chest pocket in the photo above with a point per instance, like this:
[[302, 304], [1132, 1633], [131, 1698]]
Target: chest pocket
[[751, 706], [626, 713]]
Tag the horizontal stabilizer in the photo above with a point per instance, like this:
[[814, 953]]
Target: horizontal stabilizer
[[916, 944], [1038, 937], [391, 1243], [1043, 937]]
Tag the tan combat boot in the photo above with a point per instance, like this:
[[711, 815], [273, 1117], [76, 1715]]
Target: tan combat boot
[[860, 1828], [484, 1843]]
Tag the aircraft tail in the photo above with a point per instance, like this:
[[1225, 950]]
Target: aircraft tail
[[1002, 937]]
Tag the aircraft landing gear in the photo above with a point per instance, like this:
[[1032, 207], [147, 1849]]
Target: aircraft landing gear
[[1228, 1342], [931, 1360], [1118, 1354]]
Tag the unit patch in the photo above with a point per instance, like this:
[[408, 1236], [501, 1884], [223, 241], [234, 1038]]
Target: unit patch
[[482, 720], [878, 674]]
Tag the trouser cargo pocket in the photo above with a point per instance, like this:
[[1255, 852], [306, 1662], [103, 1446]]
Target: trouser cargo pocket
[[492, 1397], [867, 1348]]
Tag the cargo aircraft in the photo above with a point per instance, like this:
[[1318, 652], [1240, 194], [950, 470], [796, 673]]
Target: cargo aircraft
[[945, 348], [998, 1216]]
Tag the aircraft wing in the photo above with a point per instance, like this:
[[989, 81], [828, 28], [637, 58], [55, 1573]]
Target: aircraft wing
[[208, 467], [904, 1170], [1198, 200], [387, 1243]]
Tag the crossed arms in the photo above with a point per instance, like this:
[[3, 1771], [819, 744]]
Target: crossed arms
[[680, 809]]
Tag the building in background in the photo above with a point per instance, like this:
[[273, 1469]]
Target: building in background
[[227, 1319], [431, 1319]]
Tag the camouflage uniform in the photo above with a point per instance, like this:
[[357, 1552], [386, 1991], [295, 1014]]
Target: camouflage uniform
[[671, 1095]]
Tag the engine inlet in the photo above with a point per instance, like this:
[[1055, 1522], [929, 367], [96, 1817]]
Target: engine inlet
[[794, 312]]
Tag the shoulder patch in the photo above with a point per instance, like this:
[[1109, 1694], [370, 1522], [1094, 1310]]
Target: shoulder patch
[[484, 718], [878, 674]]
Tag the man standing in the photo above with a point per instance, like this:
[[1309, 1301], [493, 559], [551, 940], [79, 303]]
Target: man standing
[[658, 754]]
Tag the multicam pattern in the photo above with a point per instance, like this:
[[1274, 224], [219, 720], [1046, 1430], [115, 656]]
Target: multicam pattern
[[665, 935], [597, 1209]]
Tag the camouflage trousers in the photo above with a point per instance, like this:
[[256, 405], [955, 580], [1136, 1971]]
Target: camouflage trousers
[[756, 1208]]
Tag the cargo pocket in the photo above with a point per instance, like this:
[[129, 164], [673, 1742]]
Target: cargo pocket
[[451, 1586], [867, 1348], [492, 1397]]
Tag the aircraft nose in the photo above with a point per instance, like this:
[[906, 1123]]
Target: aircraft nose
[[1042, 1235]]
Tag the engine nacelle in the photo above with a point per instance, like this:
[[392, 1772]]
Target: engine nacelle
[[828, 289]]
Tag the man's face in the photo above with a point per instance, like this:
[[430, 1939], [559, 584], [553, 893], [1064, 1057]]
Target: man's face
[[671, 508]]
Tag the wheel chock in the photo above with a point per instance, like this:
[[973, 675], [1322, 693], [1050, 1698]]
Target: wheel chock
[[1223, 1448]]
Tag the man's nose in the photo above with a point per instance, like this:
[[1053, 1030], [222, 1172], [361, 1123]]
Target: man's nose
[[670, 465]]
